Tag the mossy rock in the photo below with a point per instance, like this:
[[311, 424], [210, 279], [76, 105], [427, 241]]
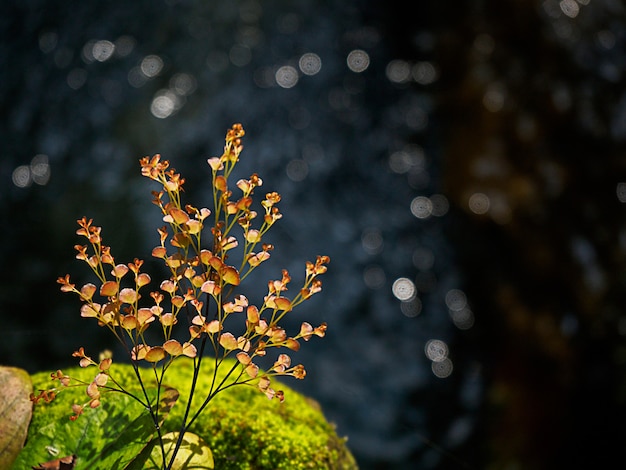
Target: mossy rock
[[242, 427]]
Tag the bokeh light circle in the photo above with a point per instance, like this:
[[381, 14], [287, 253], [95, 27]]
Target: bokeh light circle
[[403, 289], [436, 350], [479, 203], [442, 369], [310, 63], [358, 61], [286, 76], [421, 207]]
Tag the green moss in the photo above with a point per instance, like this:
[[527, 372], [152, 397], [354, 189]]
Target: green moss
[[244, 429]]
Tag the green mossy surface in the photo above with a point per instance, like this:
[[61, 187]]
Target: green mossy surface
[[244, 429]]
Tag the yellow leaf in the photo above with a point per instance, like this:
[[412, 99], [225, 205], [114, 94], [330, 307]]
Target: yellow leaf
[[173, 347], [189, 350], [129, 322], [228, 341], [109, 289], [178, 215], [282, 303], [128, 295], [159, 252], [230, 275], [193, 453], [155, 354]]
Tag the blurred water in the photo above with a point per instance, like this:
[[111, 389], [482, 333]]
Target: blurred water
[[334, 123]]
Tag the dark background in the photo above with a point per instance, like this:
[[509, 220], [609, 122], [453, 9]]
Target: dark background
[[479, 157]]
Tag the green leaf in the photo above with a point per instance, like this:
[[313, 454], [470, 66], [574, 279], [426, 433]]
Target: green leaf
[[15, 412], [193, 453], [112, 434], [52, 434], [134, 437]]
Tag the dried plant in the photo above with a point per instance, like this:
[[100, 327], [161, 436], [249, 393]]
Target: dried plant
[[201, 293]]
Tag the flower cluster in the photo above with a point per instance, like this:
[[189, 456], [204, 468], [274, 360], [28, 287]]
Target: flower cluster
[[191, 306]]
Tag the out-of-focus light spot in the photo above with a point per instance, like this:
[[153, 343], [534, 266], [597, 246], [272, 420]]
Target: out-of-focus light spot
[[240, 55], [124, 45], [403, 289], [463, 319], [48, 41], [86, 52], [409, 158], [569, 325], [423, 259], [421, 207], [561, 97], [310, 63], [462, 316], [372, 241], [40, 169], [484, 44], [297, 170], [164, 104], [358, 60], [425, 41], [217, 61], [416, 118], [338, 99], [250, 11], [424, 73], [494, 97], [564, 30], [37, 172], [286, 76], [199, 27], [313, 152], [411, 308], [250, 36], [299, 118], [76, 78], [136, 78], [440, 205], [456, 299], [418, 178], [151, 66], [621, 192], [374, 277], [102, 50], [499, 208], [479, 203], [288, 23], [570, 8], [21, 176], [264, 77], [436, 350], [606, 39], [551, 9], [585, 253], [398, 71], [442, 369], [63, 57], [183, 84]]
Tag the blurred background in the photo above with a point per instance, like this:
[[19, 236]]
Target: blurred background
[[462, 164]]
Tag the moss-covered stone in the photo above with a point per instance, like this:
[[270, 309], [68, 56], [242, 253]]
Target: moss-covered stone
[[244, 429]]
